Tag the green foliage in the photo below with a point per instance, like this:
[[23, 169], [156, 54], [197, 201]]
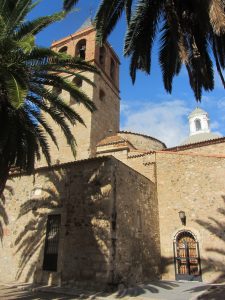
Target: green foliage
[[190, 33], [16, 90], [69, 4], [28, 76]]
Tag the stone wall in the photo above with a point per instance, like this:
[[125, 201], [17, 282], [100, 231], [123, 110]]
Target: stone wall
[[27, 202], [82, 133], [102, 122], [81, 193], [144, 164], [102, 203], [137, 252], [105, 120], [193, 184], [142, 142], [87, 243]]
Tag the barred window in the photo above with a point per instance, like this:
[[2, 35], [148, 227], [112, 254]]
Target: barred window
[[52, 243]]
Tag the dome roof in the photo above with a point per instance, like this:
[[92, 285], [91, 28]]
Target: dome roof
[[197, 111], [112, 139], [201, 137]]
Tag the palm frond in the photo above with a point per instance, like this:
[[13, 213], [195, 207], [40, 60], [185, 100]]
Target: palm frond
[[39, 119], [217, 16], [107, 16], [141, 34], [219, 43], [59, 119], [37, 25], [169, 53], [128, 7], [69, 4], [218, 65], [16, 90], [17, 15], [26, 74], [55, 101], [75, 92]]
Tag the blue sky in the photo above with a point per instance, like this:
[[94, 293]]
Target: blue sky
[[145, 106]]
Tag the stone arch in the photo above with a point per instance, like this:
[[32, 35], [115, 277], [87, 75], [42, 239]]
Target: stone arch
[[198, 125], [77, 81], [185, 230], [81, 49], [63, 49], [187, 256]]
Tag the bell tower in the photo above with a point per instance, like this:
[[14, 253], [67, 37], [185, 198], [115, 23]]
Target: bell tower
[[105, 93], [199, 121], [199, 125]]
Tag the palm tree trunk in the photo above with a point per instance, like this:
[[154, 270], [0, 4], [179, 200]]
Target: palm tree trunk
[[4, 173], [4, 151]]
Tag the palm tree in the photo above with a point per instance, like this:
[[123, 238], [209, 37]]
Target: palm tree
[[69, 4], [191, 33], [28, 76]]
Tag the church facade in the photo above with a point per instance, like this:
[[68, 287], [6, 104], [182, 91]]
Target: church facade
[[128, 209]]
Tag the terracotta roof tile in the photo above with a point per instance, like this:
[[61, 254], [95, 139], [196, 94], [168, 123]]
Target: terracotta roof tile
[[113, 139], [198, 144], [144, 135]]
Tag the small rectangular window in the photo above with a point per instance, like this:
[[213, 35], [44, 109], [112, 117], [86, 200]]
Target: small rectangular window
[[112, 69], [52, 243]]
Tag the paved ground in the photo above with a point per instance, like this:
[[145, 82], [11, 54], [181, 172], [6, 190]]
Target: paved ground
[[161, 290]]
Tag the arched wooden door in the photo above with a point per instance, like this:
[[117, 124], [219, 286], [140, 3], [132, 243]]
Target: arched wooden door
[[187, 260]]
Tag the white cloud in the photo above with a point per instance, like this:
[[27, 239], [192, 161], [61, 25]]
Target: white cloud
[[166, 121]]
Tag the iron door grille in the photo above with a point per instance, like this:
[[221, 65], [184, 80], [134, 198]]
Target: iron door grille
[[52, 243]]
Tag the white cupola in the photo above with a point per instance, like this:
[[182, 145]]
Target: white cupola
[[199, 121], [199, 124]]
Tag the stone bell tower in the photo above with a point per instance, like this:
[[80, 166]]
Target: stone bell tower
[[105, 94]]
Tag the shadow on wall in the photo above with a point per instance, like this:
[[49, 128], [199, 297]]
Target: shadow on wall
[[212, 291], [82, 195], [4, 220], [87, 246], [90, 247], [29, 243], [217, 228], [217, 264]]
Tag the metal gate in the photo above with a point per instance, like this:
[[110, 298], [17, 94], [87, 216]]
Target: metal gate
[[52, 243], [187, 260]]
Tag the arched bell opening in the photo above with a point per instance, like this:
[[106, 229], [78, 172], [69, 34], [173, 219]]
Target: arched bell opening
[[81, 49], [78, 82], [198, 125], [187, 257], [63, 49]]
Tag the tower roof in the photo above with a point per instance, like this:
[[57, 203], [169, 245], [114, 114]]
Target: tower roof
[[87, 23], [197, 111]]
